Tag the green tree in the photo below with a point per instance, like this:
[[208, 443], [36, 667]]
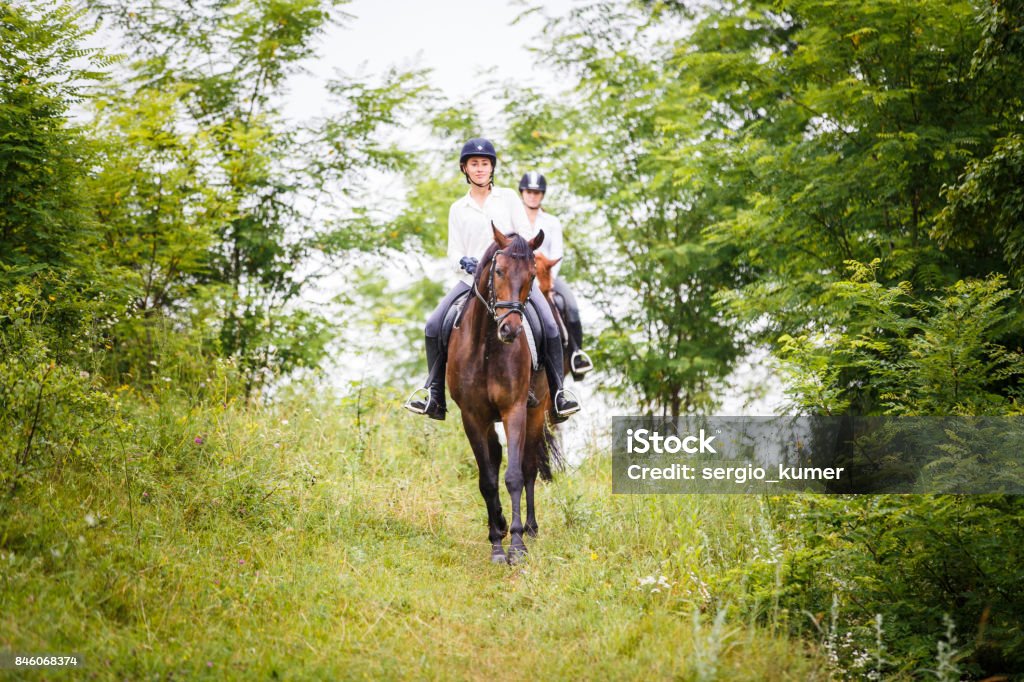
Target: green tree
[[841, 125], [615, 142], [56, 290], [222, 206], [44, 70]]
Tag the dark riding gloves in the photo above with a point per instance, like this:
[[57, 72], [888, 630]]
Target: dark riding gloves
[[468, 263]]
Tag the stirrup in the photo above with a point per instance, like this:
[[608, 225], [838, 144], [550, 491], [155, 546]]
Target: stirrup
[[564, 392], [585, 364], [415, 409]]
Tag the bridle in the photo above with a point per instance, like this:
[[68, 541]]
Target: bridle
[[493, 305]]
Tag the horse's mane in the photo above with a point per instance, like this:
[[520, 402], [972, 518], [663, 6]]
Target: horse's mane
[[517, 248]]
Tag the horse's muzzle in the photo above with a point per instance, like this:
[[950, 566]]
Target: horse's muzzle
[[507, 333]]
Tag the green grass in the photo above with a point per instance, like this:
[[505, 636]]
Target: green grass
[[309, 540]]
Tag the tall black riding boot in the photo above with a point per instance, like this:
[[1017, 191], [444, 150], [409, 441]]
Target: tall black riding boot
[[579, 361], [575, 328], [433, 405], [564, 404]]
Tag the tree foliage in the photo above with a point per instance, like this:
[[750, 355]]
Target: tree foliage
[[160, 219], [640, 210], [749, 160], [220, 205], [45, 221]]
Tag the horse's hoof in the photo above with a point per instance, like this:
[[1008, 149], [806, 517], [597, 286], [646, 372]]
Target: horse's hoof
[[532, 531], [498, 558], [516, 554]]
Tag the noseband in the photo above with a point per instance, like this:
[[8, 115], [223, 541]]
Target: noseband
[[493, 305]]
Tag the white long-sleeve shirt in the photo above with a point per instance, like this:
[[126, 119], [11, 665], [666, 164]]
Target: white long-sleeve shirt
[[552, 247], [469, 225]]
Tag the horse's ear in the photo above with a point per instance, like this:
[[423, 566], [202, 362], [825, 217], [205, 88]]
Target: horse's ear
[[537, 241], [503, 240], [544, 261]]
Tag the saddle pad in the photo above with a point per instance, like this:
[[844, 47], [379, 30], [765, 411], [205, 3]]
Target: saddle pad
[[534, 333], [531, 341]]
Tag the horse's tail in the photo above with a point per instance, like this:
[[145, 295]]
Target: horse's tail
[[551, 454]]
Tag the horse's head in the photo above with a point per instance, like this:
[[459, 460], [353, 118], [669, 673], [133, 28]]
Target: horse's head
[[510, 269], [545, 272]]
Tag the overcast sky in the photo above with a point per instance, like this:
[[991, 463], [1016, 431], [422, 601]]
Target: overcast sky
[[459, 40]]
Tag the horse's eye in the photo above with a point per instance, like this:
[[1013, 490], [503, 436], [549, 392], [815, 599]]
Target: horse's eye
[[499, 272]]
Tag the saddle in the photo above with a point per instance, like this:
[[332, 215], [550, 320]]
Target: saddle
[[534, 330]]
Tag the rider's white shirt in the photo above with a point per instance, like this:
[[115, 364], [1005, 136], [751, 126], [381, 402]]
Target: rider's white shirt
[[469, 225], [552, 246]]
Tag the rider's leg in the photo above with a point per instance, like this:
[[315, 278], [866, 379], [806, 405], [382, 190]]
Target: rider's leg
[[433, 404], [579, 362], [563, 403]]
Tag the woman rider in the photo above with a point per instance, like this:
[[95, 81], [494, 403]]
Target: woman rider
[[469, 235], [532, 188]]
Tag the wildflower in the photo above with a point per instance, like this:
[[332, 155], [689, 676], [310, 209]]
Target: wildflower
[[91, 520], [655, 584], [83, 374], [702, 587], [198, 440], [284, 422]]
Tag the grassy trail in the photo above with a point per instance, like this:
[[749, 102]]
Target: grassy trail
[[312, 541]]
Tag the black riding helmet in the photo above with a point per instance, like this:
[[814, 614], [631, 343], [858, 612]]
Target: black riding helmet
[[478, 146], [533, 180]]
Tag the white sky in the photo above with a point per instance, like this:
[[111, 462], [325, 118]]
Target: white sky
[[460, 40]]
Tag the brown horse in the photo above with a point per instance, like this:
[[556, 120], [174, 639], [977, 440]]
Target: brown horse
[[490, 376]]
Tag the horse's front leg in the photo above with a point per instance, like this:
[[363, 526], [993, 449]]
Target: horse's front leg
[[515, 429], [480, 435], [495, 447]]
